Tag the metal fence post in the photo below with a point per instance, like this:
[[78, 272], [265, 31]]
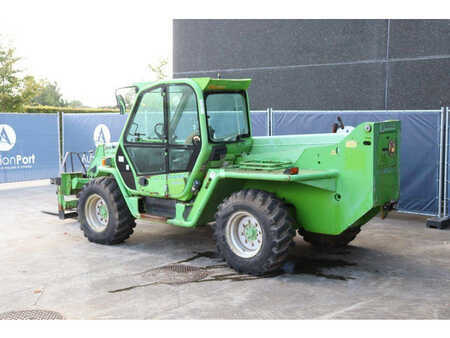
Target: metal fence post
[[268, 121], [61, 142], [442, 221], [271, 122], [441, 153], [58, 116], [446, 163]]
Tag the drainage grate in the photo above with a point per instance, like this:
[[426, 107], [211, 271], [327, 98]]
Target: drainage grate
[[31, 315], [175, 274]]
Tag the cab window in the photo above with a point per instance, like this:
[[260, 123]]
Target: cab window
[[148, 121], [183, 120]]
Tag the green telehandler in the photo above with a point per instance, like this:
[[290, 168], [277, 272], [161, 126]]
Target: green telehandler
[[187, 157]]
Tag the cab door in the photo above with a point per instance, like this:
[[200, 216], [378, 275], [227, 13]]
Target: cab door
[[146, 144], [162, 140]]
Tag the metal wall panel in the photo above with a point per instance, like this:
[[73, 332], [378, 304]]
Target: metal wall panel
[[318, 88], [322, 64], [420, 84], [419, 38], [201, 45]]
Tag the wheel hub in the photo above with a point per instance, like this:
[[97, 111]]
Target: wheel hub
[[97, 214], [102, 211], [251, 233], [244, 234]]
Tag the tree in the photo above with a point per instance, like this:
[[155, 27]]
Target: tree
[[75, 104], [31, 88], [15, 91], [159, 70], [50, 95], [10, 82]]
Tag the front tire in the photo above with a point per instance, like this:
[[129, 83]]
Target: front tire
[[103, 214], [253, 232]]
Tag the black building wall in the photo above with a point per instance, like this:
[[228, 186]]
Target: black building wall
[[322, 64]]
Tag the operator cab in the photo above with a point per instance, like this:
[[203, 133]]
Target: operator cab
[[164, 135]]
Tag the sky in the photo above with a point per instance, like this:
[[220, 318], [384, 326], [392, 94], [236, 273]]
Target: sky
[[92, 47], [88, 48]]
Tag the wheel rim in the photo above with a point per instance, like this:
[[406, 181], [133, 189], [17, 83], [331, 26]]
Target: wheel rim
[[97, 214], [244, 234]]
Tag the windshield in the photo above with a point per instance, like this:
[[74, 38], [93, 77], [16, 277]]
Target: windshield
[[227, 116]]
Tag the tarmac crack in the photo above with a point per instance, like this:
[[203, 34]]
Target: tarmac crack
[[346, 309]]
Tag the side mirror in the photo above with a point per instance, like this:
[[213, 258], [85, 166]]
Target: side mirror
[[121, 104], [125, 98]]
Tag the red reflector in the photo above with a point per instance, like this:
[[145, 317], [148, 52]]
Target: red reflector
[[293, 171]]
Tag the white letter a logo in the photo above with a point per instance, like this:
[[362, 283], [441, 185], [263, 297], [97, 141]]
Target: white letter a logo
[[101, 135], [7, 137]]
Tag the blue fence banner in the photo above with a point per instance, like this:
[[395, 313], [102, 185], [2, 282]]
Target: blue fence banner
[[419, 147], [259, 123], [29, 144], [28, 147], [83, 132]]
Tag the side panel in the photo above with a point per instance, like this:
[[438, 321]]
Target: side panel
[[368, 177], [419, 143], [331, 212]]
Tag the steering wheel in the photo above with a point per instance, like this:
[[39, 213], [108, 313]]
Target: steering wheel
[[159, 134], [193, 139]]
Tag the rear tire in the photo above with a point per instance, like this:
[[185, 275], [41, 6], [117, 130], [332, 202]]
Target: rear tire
[[327, 242], [103, 214], [253, 232]]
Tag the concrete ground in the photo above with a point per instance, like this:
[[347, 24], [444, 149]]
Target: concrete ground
[[396, 268]]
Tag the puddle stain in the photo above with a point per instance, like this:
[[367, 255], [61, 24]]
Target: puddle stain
[[207, 254], [211, 278], [306, 266], [294, 266]]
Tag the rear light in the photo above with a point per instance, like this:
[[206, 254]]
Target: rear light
[[291, 171], [391, 147]]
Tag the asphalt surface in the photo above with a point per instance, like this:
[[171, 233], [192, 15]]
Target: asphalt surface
[[395, 269]]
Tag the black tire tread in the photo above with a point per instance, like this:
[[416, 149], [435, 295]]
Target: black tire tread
[[281, 227], [125, 222]]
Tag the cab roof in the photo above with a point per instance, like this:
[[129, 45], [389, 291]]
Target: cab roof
[[205, 83]]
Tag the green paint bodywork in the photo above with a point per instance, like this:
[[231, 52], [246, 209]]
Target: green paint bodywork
[[343, 179]]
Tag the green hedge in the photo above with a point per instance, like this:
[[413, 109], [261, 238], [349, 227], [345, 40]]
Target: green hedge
[[50, 109]]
